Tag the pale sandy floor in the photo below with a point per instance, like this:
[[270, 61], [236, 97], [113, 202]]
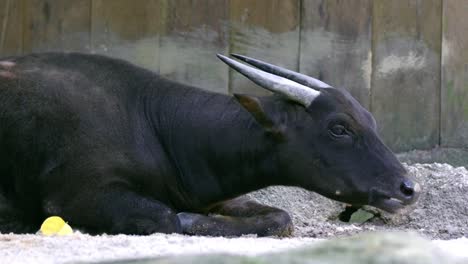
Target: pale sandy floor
[[81, 247]]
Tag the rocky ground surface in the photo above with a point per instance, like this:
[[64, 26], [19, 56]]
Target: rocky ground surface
[[378, 248]]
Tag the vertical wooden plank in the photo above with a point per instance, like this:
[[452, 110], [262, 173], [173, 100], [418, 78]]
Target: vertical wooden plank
[[267, 30], [11, 27], [454, 125], [194, 31], [56, 25], [128, 30], [336, 44], [406, 72]]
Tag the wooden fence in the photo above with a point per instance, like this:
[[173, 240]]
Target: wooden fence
[[405, 60]]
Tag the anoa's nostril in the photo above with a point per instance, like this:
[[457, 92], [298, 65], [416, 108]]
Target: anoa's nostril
[[407, 188]]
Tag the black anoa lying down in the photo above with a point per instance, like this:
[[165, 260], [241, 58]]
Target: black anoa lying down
[[115, 148]]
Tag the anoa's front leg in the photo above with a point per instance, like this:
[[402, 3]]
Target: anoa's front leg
[[236, 217], [120, 211]]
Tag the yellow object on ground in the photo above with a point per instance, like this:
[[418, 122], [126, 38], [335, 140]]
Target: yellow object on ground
[[55, 225]]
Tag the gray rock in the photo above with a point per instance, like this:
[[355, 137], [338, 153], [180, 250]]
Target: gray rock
[[378, 248]]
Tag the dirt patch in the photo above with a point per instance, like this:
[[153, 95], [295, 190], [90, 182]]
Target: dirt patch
[[441, 212]]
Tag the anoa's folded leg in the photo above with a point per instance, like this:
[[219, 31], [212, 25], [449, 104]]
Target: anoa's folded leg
[[119, 211], [238, 217]]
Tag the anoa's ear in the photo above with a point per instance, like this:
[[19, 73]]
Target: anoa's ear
[[254, 106]]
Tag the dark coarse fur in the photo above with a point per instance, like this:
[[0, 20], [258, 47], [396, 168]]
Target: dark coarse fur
[[115, 148]]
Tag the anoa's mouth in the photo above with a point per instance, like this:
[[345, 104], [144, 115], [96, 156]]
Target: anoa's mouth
[[390, 203]]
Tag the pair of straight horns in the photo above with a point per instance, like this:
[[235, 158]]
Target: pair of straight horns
[[293, 85]]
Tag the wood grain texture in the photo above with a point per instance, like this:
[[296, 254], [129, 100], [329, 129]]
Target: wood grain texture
[[128, 29], [11, 27], [267, 30], [336, 44], [193, 32], [454, 125], [56, 25], [406, 72]]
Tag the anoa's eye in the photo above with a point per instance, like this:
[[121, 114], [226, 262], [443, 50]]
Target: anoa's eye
[[338, 130]]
